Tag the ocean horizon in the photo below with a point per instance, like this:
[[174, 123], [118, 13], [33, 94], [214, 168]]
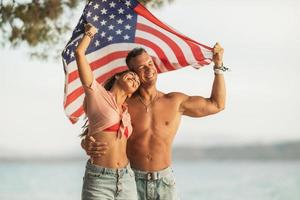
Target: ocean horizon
[[196, 180]]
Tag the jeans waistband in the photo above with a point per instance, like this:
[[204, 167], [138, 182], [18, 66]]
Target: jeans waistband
[[152, 175], [104, 170]]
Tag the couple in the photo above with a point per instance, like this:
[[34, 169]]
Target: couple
[[145, 136]]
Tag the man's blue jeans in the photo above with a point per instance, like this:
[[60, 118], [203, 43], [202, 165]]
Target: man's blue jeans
[[159, 185]]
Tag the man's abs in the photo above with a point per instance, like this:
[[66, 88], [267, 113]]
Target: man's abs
[[149, 153]]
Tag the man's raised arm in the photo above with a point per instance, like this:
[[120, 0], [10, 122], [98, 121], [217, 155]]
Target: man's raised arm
[[197, 106]]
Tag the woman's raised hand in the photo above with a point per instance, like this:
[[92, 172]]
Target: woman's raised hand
[[90, 28]]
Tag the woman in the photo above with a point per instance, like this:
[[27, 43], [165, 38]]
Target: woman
[[108, 176]]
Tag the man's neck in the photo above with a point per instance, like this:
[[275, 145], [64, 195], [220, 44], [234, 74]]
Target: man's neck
[[148, 92]]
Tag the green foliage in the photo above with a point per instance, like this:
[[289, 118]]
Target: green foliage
[[39, 23]]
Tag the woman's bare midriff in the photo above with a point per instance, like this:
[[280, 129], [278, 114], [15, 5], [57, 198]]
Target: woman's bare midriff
[[115, 156]]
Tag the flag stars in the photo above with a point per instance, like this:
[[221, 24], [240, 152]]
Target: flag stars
[[112, 4], [95, 18], [112, 16], [103, 22], [104, 0], [110, 38], [103, 34], [120, 21], [118, 32], [97, 43], [104, 11], [121, 11], [126, 37], [127, 27], [129, 16], [72, 54], [89, 14], [111, 27], [96, 6], [128, 3]]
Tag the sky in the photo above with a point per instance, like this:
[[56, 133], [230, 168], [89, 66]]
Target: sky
[[261, 42]]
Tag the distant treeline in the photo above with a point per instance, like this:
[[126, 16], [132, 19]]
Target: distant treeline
[[281, 151]]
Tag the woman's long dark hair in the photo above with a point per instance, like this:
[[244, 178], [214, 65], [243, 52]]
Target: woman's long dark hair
[[108, 84]]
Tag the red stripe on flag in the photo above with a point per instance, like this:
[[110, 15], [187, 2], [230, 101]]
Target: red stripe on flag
[[157, 50], [141, 10], [108, 58], [73, 76], [176, 49], [99, 63], [75, 115], [73, 95], [196, 51]]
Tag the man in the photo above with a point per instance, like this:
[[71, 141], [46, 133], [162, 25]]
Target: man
[[155, 118]]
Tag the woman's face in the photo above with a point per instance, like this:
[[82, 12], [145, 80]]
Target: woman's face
[[130, 82]]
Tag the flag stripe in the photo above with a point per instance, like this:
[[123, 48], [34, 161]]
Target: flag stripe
[[75, 115], [157, 50], [155, 40], [141, 10], [186, 49], [176, 49]]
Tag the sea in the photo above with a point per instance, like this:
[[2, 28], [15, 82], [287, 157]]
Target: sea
[[196, 180]]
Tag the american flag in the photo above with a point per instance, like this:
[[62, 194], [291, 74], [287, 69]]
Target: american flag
[[123, 25]]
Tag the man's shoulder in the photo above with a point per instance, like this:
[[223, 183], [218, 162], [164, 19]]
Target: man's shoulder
[[175, 95]]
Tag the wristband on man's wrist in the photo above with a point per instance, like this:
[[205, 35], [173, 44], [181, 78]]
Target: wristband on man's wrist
[[219, 70]]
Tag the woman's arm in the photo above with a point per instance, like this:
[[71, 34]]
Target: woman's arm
[[84, 69]]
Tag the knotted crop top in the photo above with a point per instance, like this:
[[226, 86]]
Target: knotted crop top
[[103, 113]]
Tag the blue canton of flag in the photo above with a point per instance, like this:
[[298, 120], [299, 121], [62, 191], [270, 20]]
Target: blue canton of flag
[[115, 21]]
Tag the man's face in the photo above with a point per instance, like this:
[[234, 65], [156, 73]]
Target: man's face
[[144, 67]]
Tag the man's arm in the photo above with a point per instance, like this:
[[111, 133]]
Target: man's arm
[[93, 148], [196, 106]]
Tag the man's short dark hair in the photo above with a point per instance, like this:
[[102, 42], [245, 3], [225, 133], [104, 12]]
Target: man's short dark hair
[[133, 53]]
